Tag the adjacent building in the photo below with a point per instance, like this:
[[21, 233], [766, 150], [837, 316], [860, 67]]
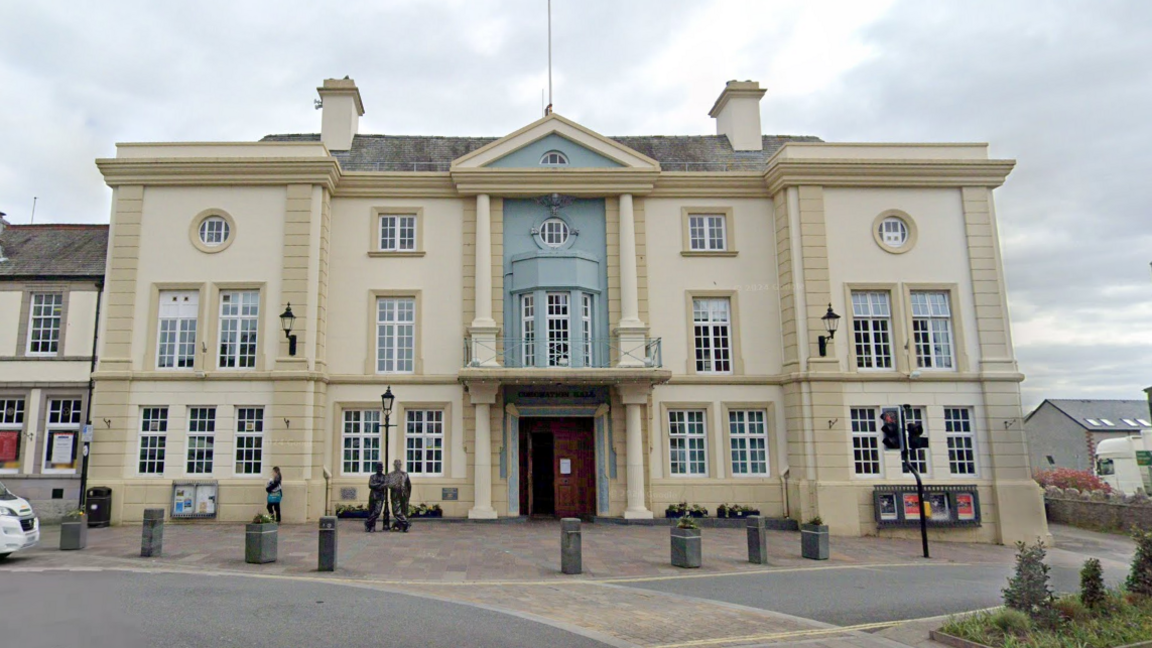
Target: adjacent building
[[1064, 433], [50, 282], [571, 324]]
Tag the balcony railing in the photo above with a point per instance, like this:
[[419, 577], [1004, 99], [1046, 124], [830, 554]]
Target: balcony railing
[[594, 354]]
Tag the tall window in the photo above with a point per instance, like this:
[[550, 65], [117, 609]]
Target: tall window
[[249, 440], [361, 441], [919, 457], [712, 330], [424, 440], [707, 233], [397, 233], [687, 442], [44, 323], [176, 330], [201, 439], [865, 442], [748, 437], [586, 326], [395, 335], [153, 439], [872, 326], [63, 427], [528, 326], [239, 321], [559, 332], [932, 330], [11, 427], [961, 440]]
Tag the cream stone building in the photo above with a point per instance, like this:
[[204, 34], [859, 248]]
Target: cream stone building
[[571, 324]]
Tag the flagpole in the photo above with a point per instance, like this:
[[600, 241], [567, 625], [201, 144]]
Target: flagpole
[[549, 109]]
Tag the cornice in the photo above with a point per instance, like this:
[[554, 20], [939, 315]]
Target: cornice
[[887, 173], [219, 171], [396, 185], [748, 184], [573, 182]]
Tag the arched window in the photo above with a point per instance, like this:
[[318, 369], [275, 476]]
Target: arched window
[[554, 158]]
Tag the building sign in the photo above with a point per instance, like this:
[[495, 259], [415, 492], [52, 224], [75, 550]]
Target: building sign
[[61, 450], [1144, 457], [194, 500], [944, 506], [965, 509], [911, 506], [565, 466], [550, 395], [449, 494]]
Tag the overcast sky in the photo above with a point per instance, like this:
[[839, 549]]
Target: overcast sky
[[1064, 88]]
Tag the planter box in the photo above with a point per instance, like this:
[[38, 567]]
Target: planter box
[[73, 534], [814, 541], [686, 547], [361, 515], [260, 543], [429, 514]]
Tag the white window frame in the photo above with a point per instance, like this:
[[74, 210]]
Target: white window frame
[[688, 443], [249, 450], [528, 328], [872, 330], [894, 232], [865, 426], [956, 430], [558, 321], [707, 233], [395, 335], [932, 332], [424, 442], [397, 233], [239, 315], [153, 437], [45, 324], [553, 159], [554, 232], [13, 423], [748, 428], [60, 426], [360, 434], [712, 334], [212, 236], [200, 448], [178, 313], [586, 326], [923, 460]]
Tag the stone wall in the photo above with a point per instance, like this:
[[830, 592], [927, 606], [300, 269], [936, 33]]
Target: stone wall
[[1097, 509]]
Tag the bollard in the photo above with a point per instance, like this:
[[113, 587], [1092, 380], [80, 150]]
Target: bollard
[[757, 541], [327, 543], [570, 562], [152, 535]]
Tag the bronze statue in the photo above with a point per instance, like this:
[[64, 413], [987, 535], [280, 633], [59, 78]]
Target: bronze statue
[[400, 488], [376, 499]]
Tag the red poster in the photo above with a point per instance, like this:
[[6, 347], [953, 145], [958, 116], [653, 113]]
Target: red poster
[[965, 510], [911, 506], [9, 446]]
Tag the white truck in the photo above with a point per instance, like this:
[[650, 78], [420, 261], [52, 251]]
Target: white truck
[[19, 526], [1118, 466]]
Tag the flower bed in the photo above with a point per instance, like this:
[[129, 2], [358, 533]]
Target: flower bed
[[1118, 622]]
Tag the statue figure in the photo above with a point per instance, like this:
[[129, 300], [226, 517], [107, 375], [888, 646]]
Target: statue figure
[[376, 499], [400, 488]]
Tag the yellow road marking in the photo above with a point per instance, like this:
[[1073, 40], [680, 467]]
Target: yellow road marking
[[782, 635]]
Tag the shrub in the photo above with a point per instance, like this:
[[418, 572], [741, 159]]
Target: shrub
[[1010, 622], [1071, 608], [816, 520], [1140, 577], [687, 522], [1081, 480], [1092, 592], [1028, 589], [263, 518]]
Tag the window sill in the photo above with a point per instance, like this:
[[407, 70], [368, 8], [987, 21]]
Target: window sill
[[382, 254], [708, 253]]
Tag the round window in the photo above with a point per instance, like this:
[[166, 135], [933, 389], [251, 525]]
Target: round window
[[214, 231], [554, 232], [893, 232]]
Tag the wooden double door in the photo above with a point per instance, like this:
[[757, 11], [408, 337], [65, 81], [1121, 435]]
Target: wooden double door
[[557, 467]]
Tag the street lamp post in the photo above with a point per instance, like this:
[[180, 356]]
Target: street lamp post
[[386, 402], [831, 323]]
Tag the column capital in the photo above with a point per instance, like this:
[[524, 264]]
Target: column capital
[[482, 392], [634, 393]]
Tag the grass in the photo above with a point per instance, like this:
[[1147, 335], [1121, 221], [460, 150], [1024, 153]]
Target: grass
[[1119, 621]]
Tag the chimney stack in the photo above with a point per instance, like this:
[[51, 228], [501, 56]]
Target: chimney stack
[[737, 114], [342, 109]]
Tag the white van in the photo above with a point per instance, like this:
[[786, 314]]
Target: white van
[[1116, 463], [19, 526]]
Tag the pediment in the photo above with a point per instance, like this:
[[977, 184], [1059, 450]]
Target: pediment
[[584, 149]]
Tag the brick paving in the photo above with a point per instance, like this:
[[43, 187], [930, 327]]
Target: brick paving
[[516, 568]]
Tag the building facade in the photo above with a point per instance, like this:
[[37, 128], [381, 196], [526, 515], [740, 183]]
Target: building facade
[[50, 282], [571, 324], [1064, 432]]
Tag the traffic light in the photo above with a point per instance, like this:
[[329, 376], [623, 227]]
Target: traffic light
[[916, 438], [890, 417]]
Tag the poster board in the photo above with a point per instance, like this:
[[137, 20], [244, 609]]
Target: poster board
[[945, 506], [194, 500]]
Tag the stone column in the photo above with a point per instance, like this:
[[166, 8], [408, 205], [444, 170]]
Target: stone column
[[483, 329], [483, 395], [631, 332], [635, 397]]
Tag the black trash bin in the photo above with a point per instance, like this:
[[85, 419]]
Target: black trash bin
[[99, 506]]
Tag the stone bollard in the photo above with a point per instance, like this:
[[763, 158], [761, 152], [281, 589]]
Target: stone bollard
[[570, 562], [152, 535], [327, 543], [757, 541]]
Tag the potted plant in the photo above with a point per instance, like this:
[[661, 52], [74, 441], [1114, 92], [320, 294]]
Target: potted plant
[[351, 511], [676, 510], [741, 511], [697, 511], [435, 511], [260, 539], [814, 539], [724, 510], [74, 531], [686, 543]]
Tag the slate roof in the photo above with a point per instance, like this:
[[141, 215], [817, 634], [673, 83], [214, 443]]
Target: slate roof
[[433, 153], [53, 251], [1113, 411]]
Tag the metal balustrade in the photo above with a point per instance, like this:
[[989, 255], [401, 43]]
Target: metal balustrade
[[522, 353]]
